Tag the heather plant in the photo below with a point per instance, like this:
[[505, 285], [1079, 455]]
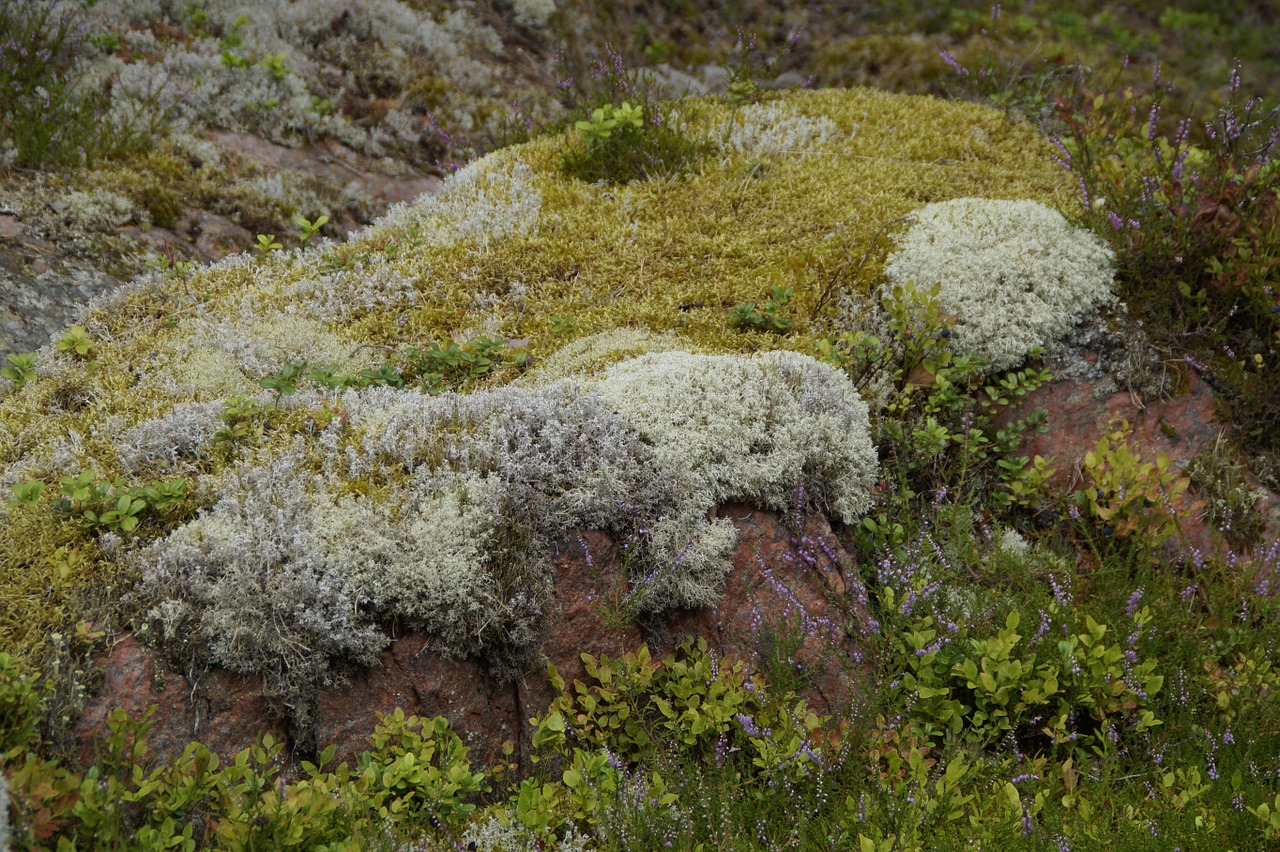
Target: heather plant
[[638, 139], [47, 117], [1192, 212]]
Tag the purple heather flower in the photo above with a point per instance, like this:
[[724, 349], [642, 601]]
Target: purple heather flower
[[953, 63]]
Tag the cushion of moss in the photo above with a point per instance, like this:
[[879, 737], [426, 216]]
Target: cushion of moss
[[669, 256]]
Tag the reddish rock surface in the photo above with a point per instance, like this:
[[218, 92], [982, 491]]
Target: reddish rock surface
[[387, 180], [220, 709], [1180, 427], [786, 598], [410, 676]]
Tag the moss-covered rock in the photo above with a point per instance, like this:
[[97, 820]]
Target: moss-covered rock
[[338, 502]]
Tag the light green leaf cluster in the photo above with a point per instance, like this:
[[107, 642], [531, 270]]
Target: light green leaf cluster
[[1015, 274]]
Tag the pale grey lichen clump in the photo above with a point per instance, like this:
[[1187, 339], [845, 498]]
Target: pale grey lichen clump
[[293, 569], [487, 201], [749, 428], [162, 443], [1015, 274], [198, 88], [765, 130]]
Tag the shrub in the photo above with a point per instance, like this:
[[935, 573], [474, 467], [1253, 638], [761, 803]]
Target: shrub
[[627, 133], [629, 142], [1077, 693], [1135, 501], [47, 118]]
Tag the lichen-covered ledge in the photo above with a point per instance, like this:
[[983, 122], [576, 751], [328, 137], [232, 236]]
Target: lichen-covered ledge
[[292, 518], [439, 513], [791, 599]]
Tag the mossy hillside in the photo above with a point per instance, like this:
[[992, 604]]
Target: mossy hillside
[[507, 246]]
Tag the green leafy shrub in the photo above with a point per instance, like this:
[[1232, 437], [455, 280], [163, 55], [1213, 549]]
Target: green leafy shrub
[[418, 772], [749, 316], [21, 369], [434, 369], [101, 505], [635, 140], [691, 703], [75, 341], [415, 778], [19, 709], [945, 419], [1134, 500], [1076, 693], [244, 416]]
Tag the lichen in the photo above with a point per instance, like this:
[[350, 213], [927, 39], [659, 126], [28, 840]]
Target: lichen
[[766, 130], [1015, 274]]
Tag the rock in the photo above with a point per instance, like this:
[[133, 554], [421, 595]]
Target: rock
[[330, 162], [410, 676], [41, 294], [787, 600], [1180, 427], [219, 708]]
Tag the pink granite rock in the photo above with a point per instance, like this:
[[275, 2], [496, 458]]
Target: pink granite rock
[[788, 597], [218, 708]]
